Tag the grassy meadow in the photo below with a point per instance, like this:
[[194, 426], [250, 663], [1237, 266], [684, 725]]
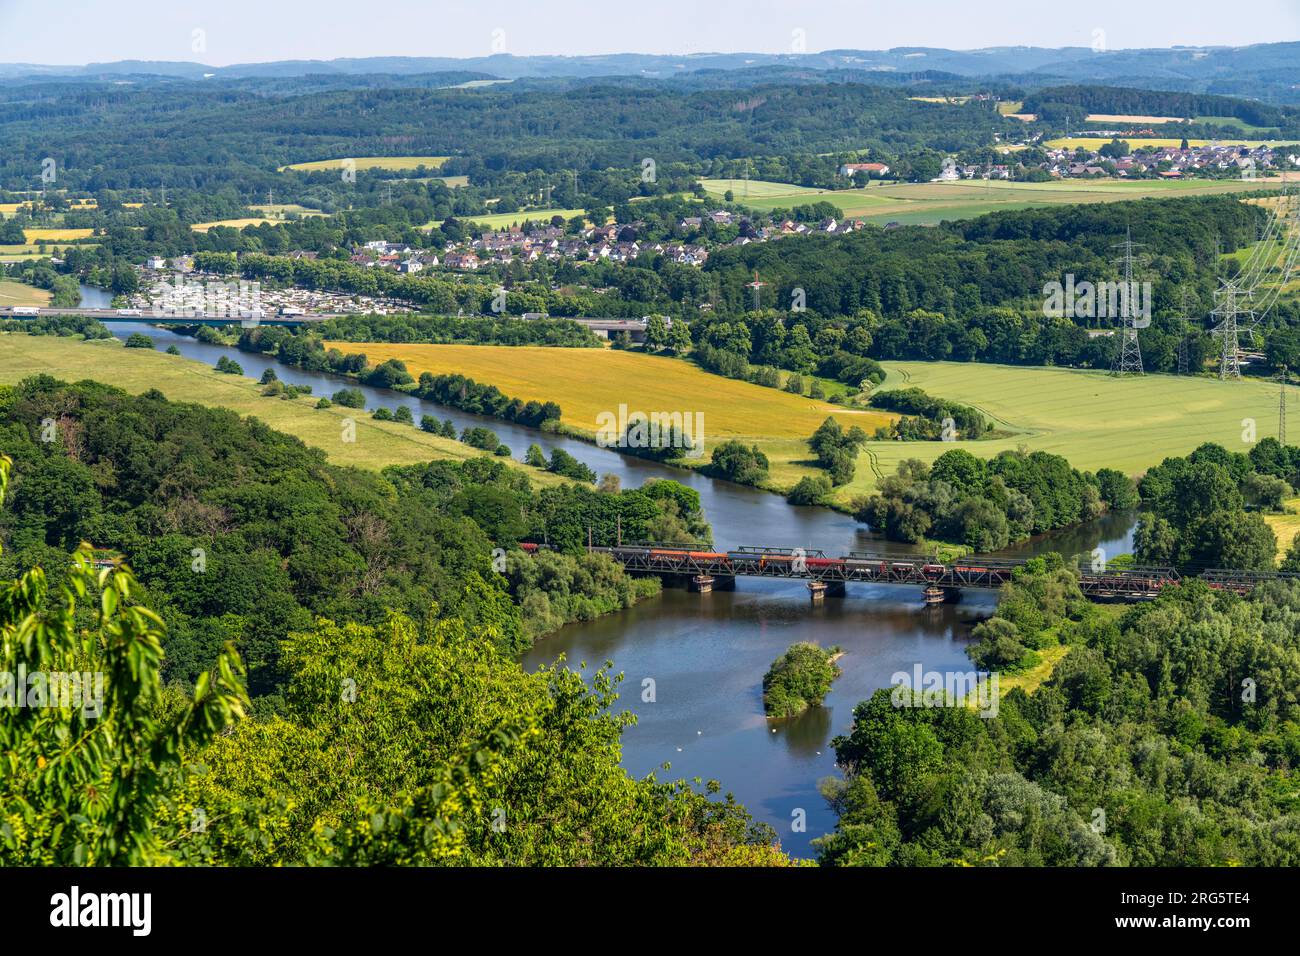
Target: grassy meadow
[[1285, 526], [377, 444], [1090, 417], [930, 203], [497, 221], [17, 293]]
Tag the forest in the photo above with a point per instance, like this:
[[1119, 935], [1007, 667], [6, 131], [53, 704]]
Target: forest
[[1205, 510], [162, 134], [242, 535], [481, 763], [1166, 736]]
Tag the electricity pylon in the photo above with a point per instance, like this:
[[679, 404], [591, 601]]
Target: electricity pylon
[[1230, 327], [1129, 360]]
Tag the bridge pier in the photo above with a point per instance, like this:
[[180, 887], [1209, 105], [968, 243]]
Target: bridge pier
[[934, 595], [708, 583], [818, 590]]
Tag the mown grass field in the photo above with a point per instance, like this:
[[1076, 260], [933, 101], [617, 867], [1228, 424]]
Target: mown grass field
[[589, 382], [393, 163], [377, 444], [1091, 418], [929, 203], [12, 253], [16, 293], [497, 221]]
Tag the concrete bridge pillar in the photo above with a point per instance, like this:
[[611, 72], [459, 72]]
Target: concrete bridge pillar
[[934, 595], [817, 591], [702, 583]]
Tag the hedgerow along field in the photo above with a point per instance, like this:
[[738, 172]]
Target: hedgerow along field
[[588, 382], [924, 204], [377, 444]]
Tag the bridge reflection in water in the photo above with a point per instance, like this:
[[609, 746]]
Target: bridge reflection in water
[[709, 570]]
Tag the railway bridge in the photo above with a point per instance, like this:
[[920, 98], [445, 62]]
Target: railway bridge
[[939, 581]]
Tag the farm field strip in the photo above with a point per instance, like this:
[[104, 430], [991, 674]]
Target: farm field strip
[[377, 444], [1096, 142], [363, 163], [503, 220], [930, 203], [588, 382], [35, 236]]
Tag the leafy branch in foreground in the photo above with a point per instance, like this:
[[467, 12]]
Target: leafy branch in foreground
[[84, 771]]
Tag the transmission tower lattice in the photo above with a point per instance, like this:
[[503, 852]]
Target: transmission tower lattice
[[1230, 327], [1129, 359], [1185, 339], [1281, 406]]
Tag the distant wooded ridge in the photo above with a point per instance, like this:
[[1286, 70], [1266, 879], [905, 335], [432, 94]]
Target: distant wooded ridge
[[1258, 70]]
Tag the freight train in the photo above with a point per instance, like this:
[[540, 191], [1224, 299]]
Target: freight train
[[862, 566]]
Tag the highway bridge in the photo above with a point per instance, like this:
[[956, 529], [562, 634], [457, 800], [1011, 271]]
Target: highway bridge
[[939, 581]]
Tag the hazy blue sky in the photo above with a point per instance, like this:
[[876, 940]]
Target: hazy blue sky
[[240, 31]]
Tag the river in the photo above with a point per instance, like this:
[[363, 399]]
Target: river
[[693, 664]]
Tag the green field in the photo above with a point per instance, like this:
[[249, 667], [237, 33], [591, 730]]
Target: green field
[[377, 444], [924, 204], [504, 220], [397, 163], [1285, 526], [1089, 417], [16, 293]]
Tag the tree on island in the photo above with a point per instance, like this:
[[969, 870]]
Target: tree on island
[[798, 679]]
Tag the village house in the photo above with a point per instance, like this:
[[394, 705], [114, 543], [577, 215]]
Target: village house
[[869, 169]]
